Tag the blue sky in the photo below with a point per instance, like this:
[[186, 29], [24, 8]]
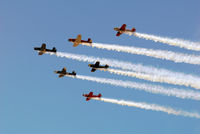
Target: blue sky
[[34, 101]]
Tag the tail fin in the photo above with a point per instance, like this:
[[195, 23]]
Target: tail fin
[[73, 72], [99, 95], [54, 49], [133, 29], [89, 40], [106, 66]]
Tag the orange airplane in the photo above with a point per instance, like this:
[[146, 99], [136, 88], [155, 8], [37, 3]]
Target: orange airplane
[[64, 72], [78, 41], [43, 49], [123, 29]]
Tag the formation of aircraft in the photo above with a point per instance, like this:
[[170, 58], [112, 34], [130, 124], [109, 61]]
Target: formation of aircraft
[[90, 95], [78, 41], [43, 49], [123, 29], [64, 72], [97, 66]]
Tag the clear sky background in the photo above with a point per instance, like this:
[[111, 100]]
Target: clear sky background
[[33, 100]]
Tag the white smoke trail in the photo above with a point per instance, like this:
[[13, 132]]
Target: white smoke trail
[[179, 93], [161, 54], [163, 74], [173, 42], [154, 72], [153, 107], [124, 65], [157, 78]]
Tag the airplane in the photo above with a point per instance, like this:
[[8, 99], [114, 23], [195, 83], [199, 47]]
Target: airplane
[[97, 66], [90, 95], [123, 29], [78, 41], [43, 49], [63, 73]]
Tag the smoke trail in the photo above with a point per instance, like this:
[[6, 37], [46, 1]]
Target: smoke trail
[[153, 107], [184, 94], [154, 72], [156, 78], [173, 42], [125, 65], [161, 54]]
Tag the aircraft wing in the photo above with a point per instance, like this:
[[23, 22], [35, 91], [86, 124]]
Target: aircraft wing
[[97, 63], [77, 41], [64, 69], [118, 34], [123, 27], [90, 94], [87, 99], [43, 46], [37, 48], [93, 70], [78, 38], [61, 75], [40, 53], [75, 44]]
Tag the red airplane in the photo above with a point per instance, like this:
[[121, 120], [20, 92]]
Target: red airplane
[[90, 95], [123, 29], [78, 41]]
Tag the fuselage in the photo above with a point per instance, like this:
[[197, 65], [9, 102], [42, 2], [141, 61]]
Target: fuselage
[[60, 72], [44, 50], [90, 95], [40, 49], [64, 73], [122, 31], [96, 67], [93, 96], [82, 41]]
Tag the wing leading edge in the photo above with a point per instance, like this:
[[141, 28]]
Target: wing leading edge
[[77, 41]]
